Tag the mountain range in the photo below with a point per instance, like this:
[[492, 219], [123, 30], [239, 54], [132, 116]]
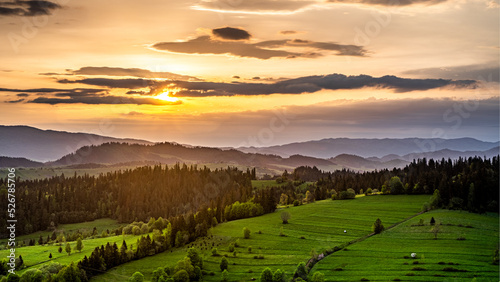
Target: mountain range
[[23, 146]]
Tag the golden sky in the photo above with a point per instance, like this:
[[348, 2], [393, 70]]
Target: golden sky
[[252, 72]]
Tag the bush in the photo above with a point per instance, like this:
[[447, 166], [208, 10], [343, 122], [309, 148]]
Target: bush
[[285, 216], [301, 271], [296, 203], [136, 277], [368, 191], [266, 275], [246, 233], [231, 248], [318, 277], [214, 252], [378, 226], [249, 249], [224, 276], [349, 194], [223, 264]]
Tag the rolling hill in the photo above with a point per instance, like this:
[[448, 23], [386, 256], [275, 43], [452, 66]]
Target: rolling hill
[[48, 145], [328, 148]]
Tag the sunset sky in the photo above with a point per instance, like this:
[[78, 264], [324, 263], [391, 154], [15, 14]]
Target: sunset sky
[[252, 72]]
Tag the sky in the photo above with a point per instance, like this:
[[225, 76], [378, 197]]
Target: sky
[[252, 72]]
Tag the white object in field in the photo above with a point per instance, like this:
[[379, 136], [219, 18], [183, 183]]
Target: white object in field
[[413, 255], [345, 231]]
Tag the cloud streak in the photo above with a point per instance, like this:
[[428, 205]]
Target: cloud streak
[[287, 48], [27, 8], [134, 72], [307, 84], [53, 96], [293, 6]]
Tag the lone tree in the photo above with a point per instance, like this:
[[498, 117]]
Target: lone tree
[[435, 230], [433, 221], [223, 264], [50, 256], [246, 233], [68, 249], [79, 244], [285, 216], [378, 226], [60, 249]]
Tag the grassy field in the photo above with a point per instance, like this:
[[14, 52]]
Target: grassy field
[[33, 256], [382, 257], [100, 224], [321, 225]]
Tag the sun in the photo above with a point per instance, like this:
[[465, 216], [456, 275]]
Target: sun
[[167, 95]]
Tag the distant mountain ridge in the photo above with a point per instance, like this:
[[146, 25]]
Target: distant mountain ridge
[[23, 146], [332, 147], [48, 145]]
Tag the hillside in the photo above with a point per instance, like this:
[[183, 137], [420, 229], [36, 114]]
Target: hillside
[[47, 145], [169, 153], [18, 162], [328, 148]]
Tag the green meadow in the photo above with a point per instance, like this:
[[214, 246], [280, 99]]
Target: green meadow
[[387, 256], [317, 226], [320, 226]]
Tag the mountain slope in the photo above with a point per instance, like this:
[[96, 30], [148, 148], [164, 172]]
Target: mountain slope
[[18, 162], [46, 145], [328, 148]]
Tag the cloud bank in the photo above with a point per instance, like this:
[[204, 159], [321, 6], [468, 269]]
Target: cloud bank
[[27, 8], [237, 46]]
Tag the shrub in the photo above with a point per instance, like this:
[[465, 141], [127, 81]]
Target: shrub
[[278, 276], [285, 216], [224, 276], [246, 233], [136, 277], [231, 248], [266, 275], [302, 237], [378, 226], [214, 252], [433, 221], [318, 277], [349, 194], [296, 203], [249, 249], [282, 234], [301, 271], [368, 191], [223, 264]]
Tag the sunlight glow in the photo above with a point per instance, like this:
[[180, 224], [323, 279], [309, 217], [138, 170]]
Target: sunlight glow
[[167, 95]]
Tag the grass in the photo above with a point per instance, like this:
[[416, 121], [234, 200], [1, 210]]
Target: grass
[[101, 225], [382, 257], [322, 224]]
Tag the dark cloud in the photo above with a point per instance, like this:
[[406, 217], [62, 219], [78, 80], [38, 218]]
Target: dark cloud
[[100, 100], [489, 72], [22, 95], [286, 32], [389, 2], [310, 84], [262, 50], [255, 6], [27, 8], [54, 96], [231, 33], [136, 72], [130, 83]]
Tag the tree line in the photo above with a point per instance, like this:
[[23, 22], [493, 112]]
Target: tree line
[[129, 195]]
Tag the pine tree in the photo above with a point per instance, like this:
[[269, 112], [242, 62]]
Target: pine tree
[[79, 244], [68, 249]]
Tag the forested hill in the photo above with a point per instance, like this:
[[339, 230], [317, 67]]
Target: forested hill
[[170, 153]]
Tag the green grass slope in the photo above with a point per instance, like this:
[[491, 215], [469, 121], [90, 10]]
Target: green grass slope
[[322, 225], [382, 257]]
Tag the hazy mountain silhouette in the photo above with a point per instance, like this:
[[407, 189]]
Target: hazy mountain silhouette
[[328, 148], [48, 145]]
